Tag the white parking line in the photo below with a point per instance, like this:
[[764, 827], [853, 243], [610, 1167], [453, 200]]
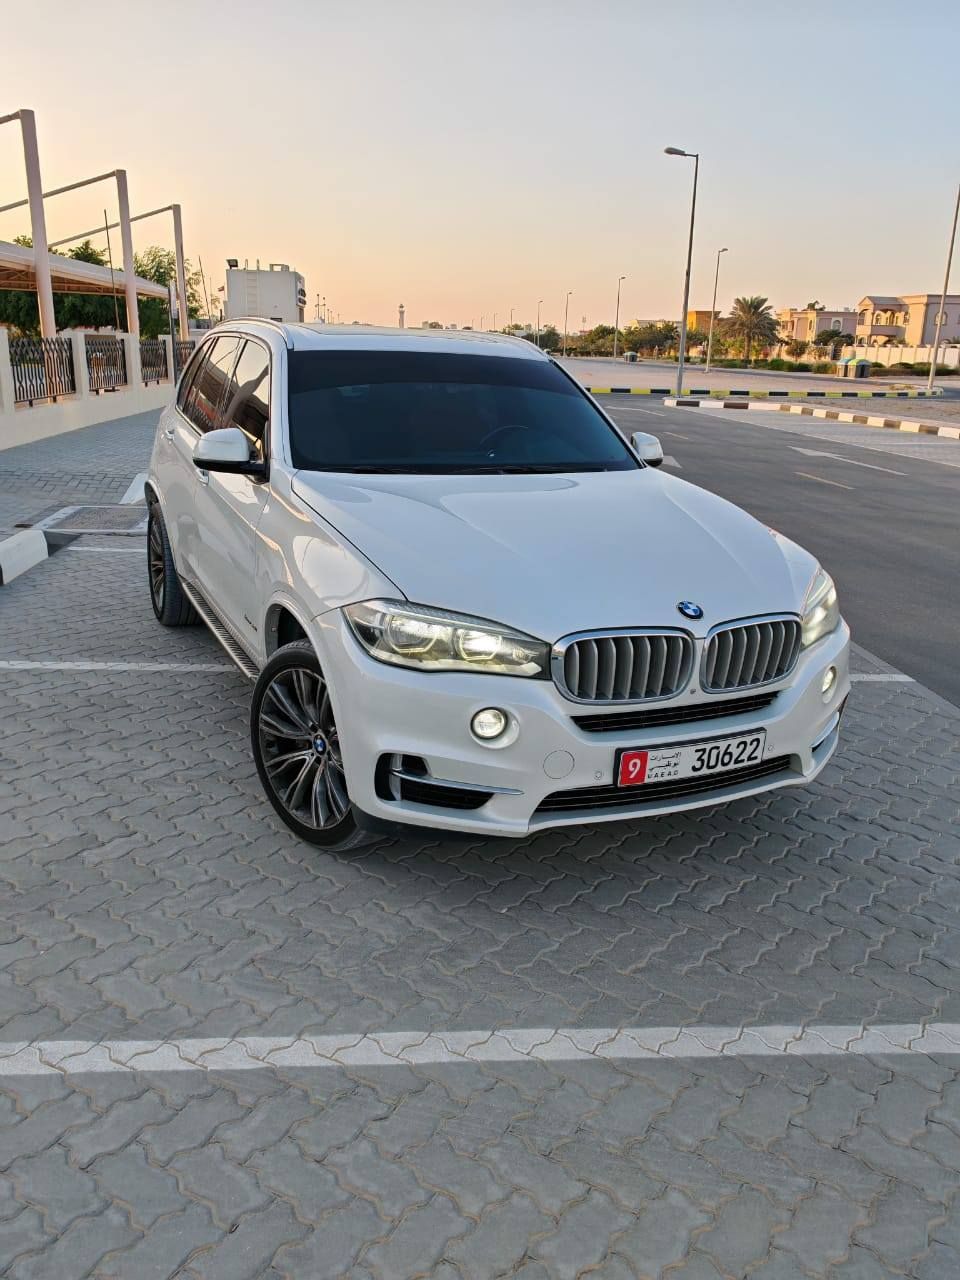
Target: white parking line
[[14, 664], [135, 491], [896, 677], [453, 1048], [110, 551], [820, 480]]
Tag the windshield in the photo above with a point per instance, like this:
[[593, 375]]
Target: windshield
[[422, 412]]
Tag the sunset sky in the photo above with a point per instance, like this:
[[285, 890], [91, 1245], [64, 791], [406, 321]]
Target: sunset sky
[[466, 158]]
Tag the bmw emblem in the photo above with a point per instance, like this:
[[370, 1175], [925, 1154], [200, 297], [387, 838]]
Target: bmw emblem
[[689, 609]]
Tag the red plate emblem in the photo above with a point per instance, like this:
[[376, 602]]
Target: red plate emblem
[[633, 768]]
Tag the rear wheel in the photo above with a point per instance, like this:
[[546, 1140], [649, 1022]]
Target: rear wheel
[[169, 601], [296, 746]]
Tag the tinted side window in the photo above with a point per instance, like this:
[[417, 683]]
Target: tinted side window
[[207, 390], [248, 397]]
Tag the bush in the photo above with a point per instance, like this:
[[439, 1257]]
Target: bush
[[779, 364], [802, 367], [823, 366]]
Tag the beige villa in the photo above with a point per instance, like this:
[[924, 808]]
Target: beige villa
[[909, 320], [803, 324]]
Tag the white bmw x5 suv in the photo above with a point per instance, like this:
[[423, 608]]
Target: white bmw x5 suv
[[467, 601]]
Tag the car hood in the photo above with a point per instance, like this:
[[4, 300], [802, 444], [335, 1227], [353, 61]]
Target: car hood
[[552, 554]]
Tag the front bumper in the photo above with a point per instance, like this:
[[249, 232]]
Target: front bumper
[[384, 711]]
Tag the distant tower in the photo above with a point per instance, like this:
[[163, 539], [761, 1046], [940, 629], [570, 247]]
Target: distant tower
[[401, 315]]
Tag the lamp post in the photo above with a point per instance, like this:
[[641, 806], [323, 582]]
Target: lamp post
[[512, 309], [943, 295], [695, 157], [713, 312], [616, 323], [539, 304], [566, 313], [494, 322]]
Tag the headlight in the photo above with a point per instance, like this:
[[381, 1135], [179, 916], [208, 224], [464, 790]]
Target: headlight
[[413, 635], [821, 611]]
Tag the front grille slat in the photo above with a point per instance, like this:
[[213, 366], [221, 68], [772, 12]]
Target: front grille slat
[[620, 666], [641, 667], [743, 655], [588, 661], [624, 670], [606, 668], [612, 797]]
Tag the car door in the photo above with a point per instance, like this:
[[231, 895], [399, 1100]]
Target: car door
[[233, 504], [197, 410]]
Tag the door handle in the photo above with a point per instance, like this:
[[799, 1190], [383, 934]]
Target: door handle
[[168, 433], [203, 477]]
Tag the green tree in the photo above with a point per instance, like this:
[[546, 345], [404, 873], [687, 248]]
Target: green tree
[[160, 265], [550, 339], [752, 321], [797, 348]]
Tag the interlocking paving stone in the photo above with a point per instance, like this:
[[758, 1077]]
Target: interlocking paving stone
[[148, 894]]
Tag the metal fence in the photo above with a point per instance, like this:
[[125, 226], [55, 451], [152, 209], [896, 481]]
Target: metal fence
[[153, 360], [42, 369], [106, 362], [182, 350]]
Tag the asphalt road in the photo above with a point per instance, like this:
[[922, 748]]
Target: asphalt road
[[886, 526]]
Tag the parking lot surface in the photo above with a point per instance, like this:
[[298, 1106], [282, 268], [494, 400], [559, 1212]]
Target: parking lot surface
[[724, 1044]]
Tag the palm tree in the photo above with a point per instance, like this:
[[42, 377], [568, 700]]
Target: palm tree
[[751, 320]]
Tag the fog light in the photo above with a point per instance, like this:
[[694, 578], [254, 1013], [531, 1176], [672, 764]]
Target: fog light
[[829, 680], [489, 723]]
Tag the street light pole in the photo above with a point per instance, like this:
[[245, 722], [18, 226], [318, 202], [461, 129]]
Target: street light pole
[[695, 157], [512, 309], [539, 304], [616, 323], [943, 296], [566, 313], [713, 312]]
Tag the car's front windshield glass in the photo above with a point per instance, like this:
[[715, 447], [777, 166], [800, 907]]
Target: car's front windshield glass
[[424, 412]]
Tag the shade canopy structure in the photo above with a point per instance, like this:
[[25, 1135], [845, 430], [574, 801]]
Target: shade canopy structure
[[18, 271]]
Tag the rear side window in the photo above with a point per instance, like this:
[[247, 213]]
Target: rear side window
[[205, 395], [247, 405]]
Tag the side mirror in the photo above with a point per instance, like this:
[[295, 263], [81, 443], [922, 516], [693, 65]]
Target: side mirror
[[227, 449], [647, 448]]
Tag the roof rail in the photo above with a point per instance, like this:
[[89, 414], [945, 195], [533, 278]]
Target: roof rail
[[280, 325]]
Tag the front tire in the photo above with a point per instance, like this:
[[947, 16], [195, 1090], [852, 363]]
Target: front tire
[[170, 604], [296, 746]]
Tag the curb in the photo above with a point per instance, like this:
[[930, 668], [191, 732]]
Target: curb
[[764, 395], [867, 420], [20, 552], [836, 415]]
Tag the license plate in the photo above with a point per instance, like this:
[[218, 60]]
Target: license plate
[[661, 764]]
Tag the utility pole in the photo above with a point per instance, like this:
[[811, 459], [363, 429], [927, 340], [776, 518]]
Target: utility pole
[[713, 312], [695, 157], [943, 295], [616, 323]]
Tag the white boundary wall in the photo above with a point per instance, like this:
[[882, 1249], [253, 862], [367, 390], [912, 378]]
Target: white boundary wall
[[22, 424], [948, 356]]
